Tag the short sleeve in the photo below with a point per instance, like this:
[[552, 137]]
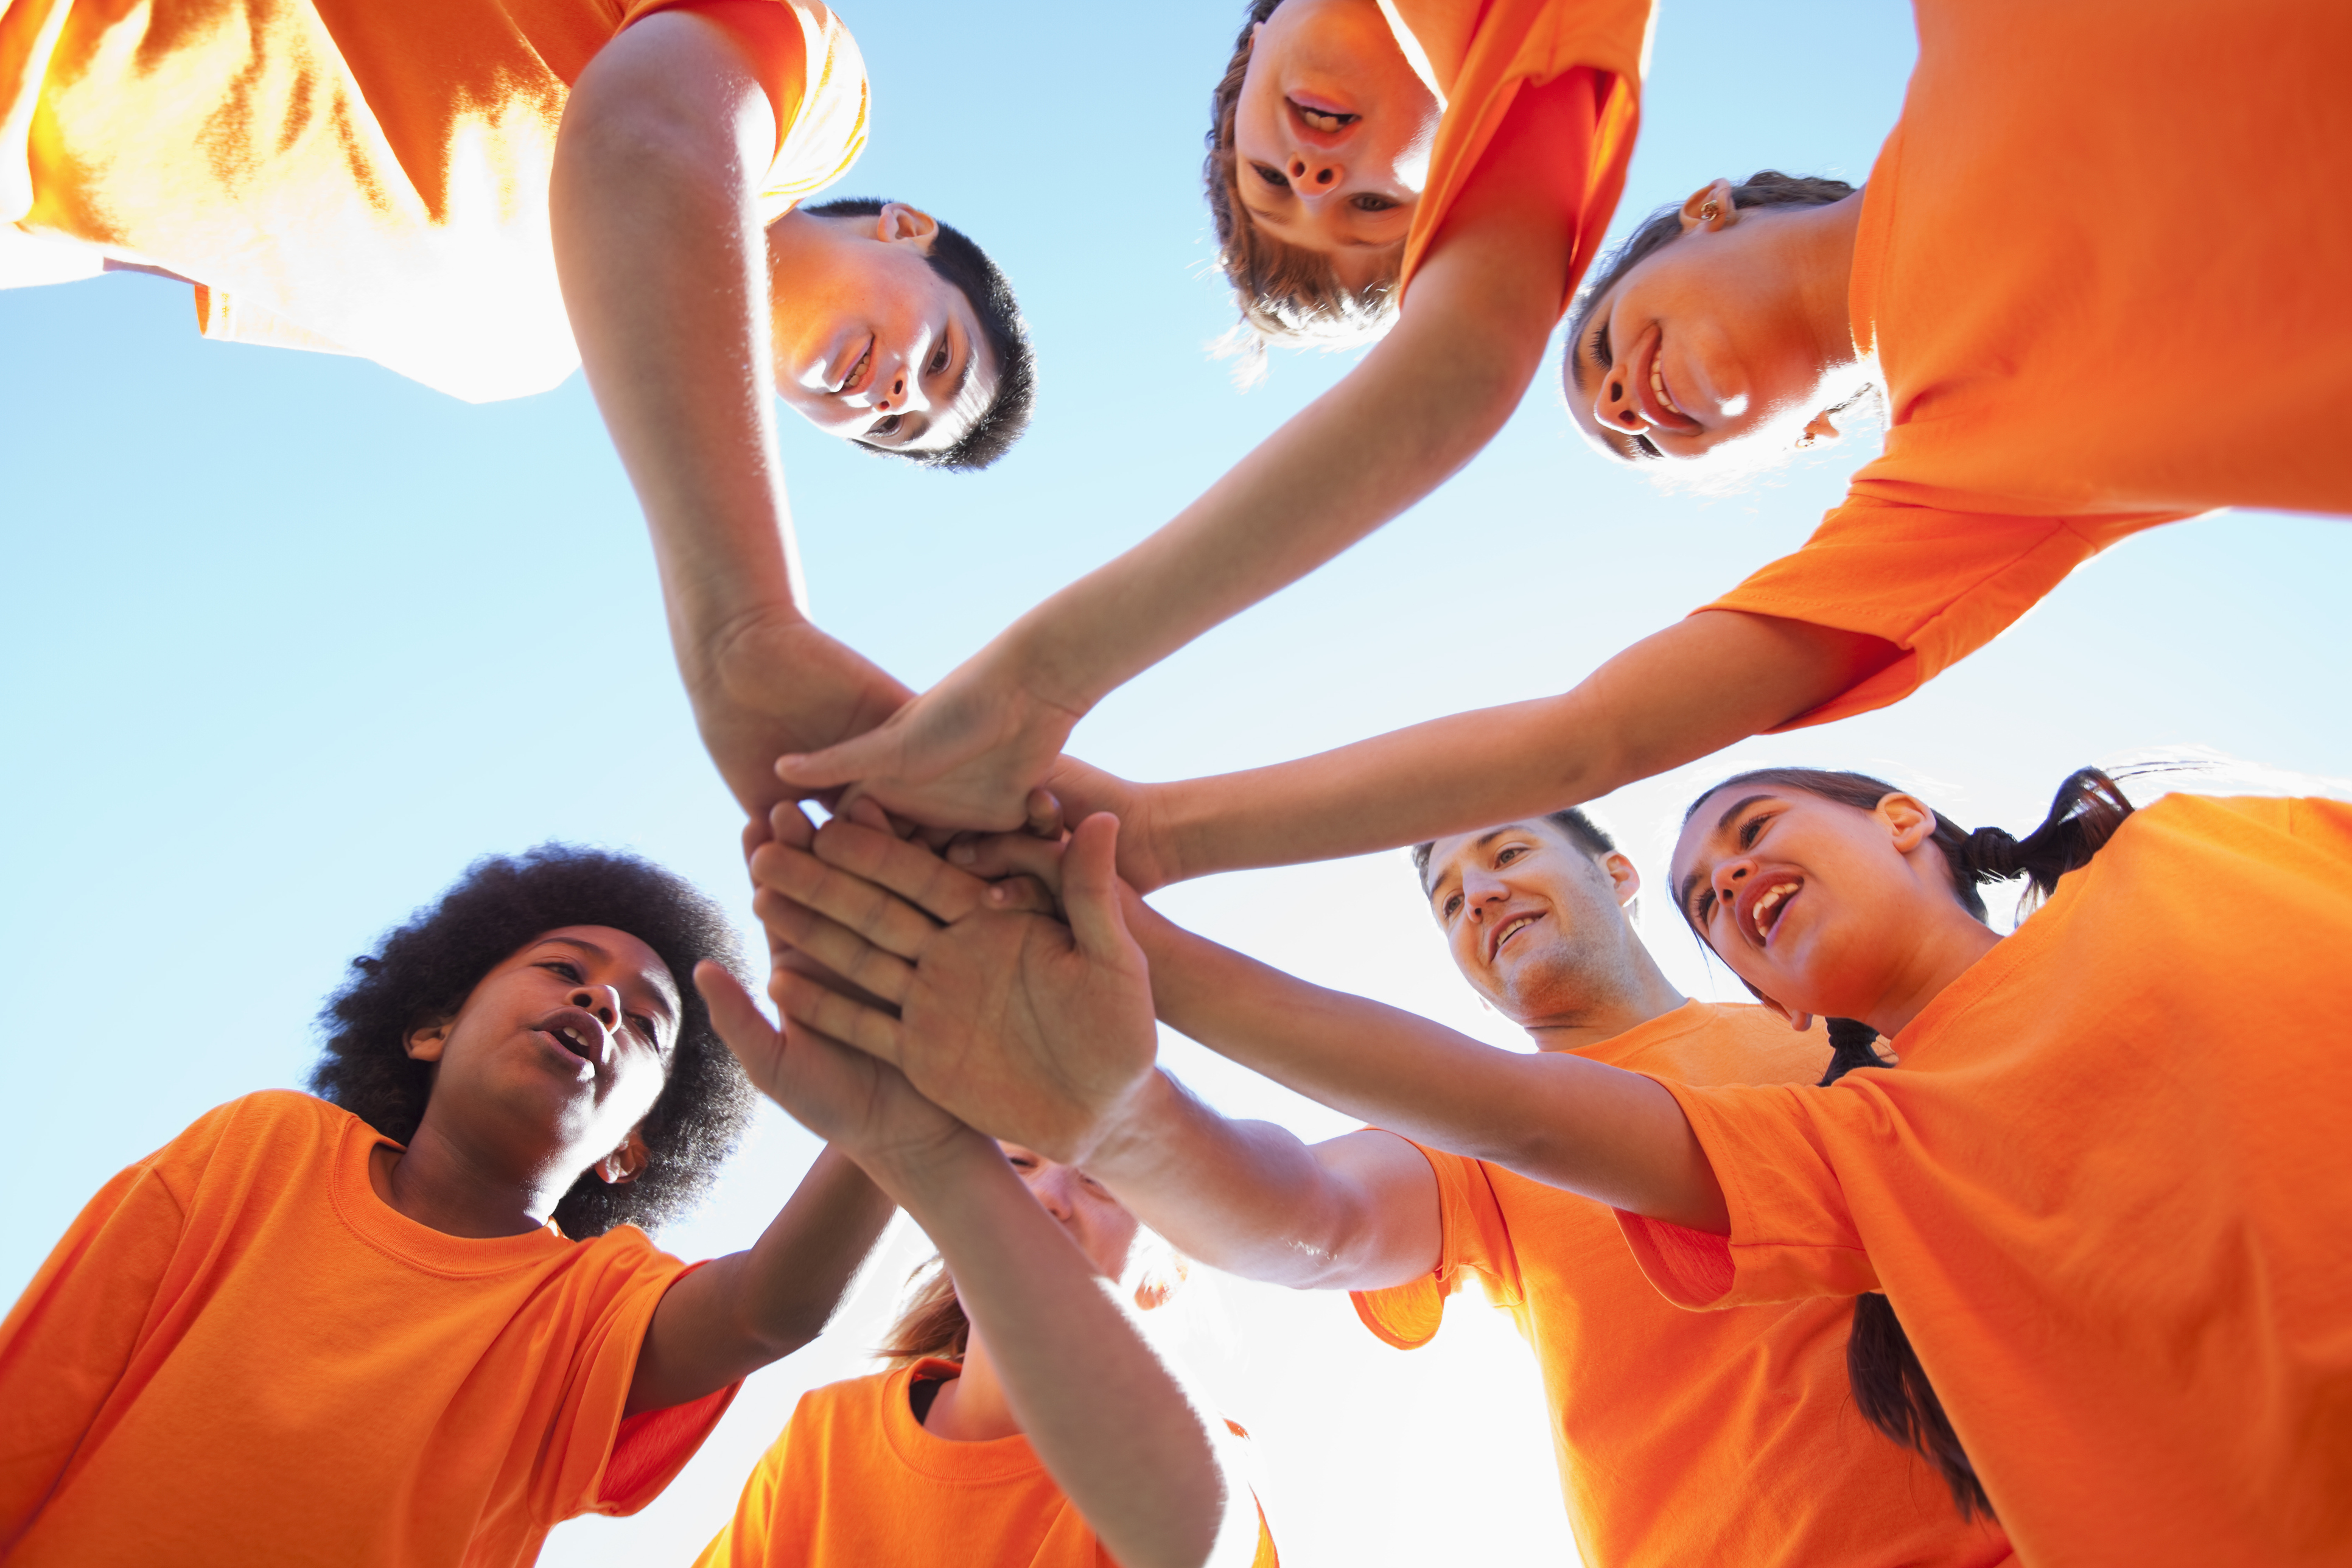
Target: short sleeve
[[1793, 1237], [1472, 1239], [1937, 584], [596, 1459]]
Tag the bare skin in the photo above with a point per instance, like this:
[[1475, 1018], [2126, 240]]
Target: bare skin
[[1112, 1424], [545, 1073]]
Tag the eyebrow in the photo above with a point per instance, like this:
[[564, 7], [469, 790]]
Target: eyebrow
[[1690, 883], [659, 1001], [1478, 843]]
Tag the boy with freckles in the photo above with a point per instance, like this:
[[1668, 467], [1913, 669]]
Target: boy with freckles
[[1681, 1437]]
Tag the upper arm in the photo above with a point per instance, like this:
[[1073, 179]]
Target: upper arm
[[1384, 1210], [677, 82]]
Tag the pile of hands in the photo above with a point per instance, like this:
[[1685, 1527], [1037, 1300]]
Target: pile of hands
[[939, 992]]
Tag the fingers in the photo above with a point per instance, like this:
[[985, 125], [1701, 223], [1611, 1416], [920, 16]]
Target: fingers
[[788, 824], [828, 769], [863, 906], [1043, 810], [997, 854], [852, 1022], [1090, 888], [844, 951], [907, 870]]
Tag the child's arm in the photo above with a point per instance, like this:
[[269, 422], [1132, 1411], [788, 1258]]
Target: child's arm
[[1006, 1038], [665, 272], [1114, 1427], [1424, 402]]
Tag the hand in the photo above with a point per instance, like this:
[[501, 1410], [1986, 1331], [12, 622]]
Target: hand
[[779, 684], [965, 753], [1026, 1029], [858, 1103]]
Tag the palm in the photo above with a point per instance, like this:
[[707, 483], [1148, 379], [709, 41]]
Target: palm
[[962, 755], [1017, 1031]]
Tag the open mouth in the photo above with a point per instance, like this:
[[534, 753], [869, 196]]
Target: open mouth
[[1509, 929], [1764, 911], [856, 377], [1322, 117], [576, 1032], [1648, 376]]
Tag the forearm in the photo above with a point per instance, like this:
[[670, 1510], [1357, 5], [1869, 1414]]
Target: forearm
[[1613, 1136], [1251, 1198], [1704, 683], [738, 1313], [1112, 1424], [664, 267]]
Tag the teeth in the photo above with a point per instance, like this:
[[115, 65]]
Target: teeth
[[1658, 386], [1767, 903]]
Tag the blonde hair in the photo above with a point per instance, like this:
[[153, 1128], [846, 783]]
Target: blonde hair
[[931, 1326], [1286, 293]]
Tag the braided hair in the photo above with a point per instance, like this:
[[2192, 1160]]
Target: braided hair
[[1890, 1387]]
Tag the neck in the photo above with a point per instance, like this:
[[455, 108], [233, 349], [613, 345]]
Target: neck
[[1945, 952], [1570, 1023], [973, 1408], [1822, 239], [442, 1182]]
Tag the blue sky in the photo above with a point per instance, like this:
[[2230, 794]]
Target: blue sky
[[289, 640]]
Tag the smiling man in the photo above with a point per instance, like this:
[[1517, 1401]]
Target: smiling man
[[1681, 1437]]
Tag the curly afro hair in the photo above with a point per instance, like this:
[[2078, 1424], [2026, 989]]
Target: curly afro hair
[[424, 971]]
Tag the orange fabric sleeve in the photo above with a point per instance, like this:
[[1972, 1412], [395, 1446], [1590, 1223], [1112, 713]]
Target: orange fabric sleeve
[[1519, 42], [65, 1344], [1793, 1237], [1937, 584], [1472, 1239]]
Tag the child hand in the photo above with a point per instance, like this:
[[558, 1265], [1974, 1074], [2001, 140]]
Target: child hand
[[1026, 1029], [858, 1103]]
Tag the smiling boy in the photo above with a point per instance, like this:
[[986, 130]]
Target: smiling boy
[[1681, 1437], [416, 1321]]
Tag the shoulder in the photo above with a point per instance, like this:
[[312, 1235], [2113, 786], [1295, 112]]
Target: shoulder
[[1709, 1043]]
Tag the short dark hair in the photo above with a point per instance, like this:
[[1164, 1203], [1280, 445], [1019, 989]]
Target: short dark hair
[[1764, 188], [422, 972], [1572, 825], [967, 268]]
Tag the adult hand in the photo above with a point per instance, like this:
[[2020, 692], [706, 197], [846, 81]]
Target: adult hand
[[775, 684], [1027, 1029], [964, 755]]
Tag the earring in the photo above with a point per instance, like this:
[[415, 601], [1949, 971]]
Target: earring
[[1709, 212]]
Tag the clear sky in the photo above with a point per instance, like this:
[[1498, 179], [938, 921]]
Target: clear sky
[[289, 640]]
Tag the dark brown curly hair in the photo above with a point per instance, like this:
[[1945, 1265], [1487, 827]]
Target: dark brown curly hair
[[1286, 293], [422, 971]]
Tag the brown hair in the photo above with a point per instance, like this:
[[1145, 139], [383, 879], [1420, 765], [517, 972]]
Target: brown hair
[[1890, 1387], [1572, 825], [931, 1324], [1286, 293], [1764, 188]]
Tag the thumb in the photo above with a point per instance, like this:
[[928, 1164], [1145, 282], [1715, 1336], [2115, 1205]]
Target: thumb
[[834, 766], [1090, 888], [739, 1023]]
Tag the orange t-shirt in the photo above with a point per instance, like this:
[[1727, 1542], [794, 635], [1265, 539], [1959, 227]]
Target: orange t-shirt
[[1684, 1439], [1477, 58], [854, 1479], [2102, 297], [351, 176], [239, 1353], [2106, 1193]]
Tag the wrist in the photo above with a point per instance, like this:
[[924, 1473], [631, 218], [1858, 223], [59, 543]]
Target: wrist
[[916, 1176], [1129, 1141]]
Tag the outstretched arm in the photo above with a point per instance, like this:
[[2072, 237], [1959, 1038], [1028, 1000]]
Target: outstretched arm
[[665, 272], [1423, 403]]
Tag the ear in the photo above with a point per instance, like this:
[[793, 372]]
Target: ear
[[898, 222], [425, 1045], [1158, 1284], [1624, 877], [1911, 820], [1819, 432], [625, 1163], [1709, 208]]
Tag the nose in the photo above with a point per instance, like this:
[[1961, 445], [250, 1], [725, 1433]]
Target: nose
[[1482, 890], [1614, 406], [1728, 876], [1314, 176], [1051, 1183], [899, 390], [601, 1000]]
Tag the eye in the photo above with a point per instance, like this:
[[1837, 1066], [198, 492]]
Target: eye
[[1023, 1162], [1509, 853], [1369, 202], [1271, 175], [1453, 904], [1702, 906], [644, 1026], [1597, 346], [939, 357], [1750, 829], [565, 967], [886, 425]]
